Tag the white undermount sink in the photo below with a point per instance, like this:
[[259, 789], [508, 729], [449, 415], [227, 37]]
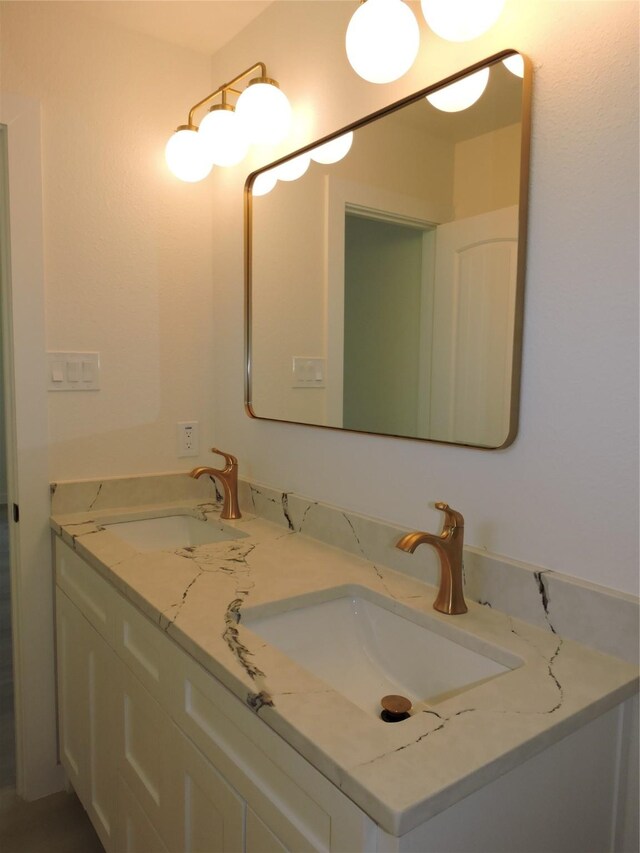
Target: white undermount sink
[[367, 646], [172, 531]]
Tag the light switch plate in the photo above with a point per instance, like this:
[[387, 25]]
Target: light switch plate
[[73, 371], [308, 372]]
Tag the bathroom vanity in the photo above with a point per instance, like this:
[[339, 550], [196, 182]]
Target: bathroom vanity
[[183, 728]]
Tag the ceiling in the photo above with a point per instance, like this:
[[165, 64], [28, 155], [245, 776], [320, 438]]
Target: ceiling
[[201, 25]]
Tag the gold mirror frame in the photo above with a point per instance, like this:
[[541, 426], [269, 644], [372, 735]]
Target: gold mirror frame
[[521, 255]]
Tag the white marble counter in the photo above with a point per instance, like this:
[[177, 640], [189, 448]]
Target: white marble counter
[[400, 774]]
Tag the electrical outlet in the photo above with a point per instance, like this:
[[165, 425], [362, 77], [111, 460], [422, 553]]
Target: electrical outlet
[[188, 438]]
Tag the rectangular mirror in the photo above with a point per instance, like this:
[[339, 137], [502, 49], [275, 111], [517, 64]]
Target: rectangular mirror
[[384, 291]]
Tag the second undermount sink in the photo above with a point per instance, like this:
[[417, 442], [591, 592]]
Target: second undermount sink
[[366, 646], [172, 531]]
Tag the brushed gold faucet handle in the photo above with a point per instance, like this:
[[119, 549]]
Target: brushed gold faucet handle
[[452, 518], [228, 458]]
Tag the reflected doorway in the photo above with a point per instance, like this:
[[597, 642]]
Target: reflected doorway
[[388, 283]]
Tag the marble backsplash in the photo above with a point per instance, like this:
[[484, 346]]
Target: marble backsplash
[[593, 615]]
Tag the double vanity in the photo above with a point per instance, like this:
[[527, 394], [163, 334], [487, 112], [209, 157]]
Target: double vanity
[[220, 683]]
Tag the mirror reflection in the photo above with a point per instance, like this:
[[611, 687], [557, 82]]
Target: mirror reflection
[[384, 290]]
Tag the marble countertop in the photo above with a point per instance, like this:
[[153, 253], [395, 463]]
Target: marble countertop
[[400, 774]]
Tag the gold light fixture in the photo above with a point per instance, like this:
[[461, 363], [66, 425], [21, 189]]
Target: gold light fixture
[[262, 115], [383, 36]]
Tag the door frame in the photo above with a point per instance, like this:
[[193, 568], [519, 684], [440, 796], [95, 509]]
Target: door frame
[[343, 197], [38, 771]]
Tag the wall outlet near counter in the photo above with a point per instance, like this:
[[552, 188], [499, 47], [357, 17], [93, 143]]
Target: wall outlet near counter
[[188, 438]]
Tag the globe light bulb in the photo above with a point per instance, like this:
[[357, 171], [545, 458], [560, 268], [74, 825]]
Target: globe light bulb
[[293, 169], [334, 150], [515, 64], [264, 183], [382, 40], [461, 20], [186, 156], [223, 136], [264, 111], [461, 94]]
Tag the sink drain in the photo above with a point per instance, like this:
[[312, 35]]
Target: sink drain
[[395, 708]]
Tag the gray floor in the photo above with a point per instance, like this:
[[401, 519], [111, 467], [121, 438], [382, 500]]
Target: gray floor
[[54, 824], [7, 735]]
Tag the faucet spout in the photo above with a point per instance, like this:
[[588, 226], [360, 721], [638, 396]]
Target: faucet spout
[[448, 544], [228, 478]]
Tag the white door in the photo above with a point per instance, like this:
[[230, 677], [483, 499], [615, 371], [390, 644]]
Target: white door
[[473, 317]]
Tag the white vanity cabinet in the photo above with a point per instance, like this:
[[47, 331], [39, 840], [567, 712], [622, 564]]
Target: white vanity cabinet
[[165, 758], [87, 707], [162, 756]]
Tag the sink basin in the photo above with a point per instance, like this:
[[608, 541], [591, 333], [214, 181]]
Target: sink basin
[[172, 531], [365, 650]]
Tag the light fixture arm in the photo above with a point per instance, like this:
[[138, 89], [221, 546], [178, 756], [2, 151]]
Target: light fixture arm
[[226, 87]]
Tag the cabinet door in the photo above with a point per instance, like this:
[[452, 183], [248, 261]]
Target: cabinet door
[[87, 689], [73, 694], [135, 831], [185, 799], [211, 812], [144, 750], [259, 838]]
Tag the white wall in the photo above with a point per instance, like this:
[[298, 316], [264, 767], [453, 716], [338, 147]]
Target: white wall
[[149, 271], [127, 248], [565, 494]]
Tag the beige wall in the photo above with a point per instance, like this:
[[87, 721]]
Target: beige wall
[[567, 488], [149, 272], [487, 172], [127, 248]]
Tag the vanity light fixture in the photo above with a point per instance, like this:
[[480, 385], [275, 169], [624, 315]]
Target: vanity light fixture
[[186, 156], [461, 20], [461, 94], [223, 135], [264, 110], [382, 40], [262, 115], [383, 36]]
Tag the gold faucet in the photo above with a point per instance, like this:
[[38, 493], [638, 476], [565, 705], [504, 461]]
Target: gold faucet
[[228, 476], [450, 597]]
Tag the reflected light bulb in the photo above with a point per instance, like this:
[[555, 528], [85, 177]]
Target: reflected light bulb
[[186, 156], [334, 150], [515, 64], [382, 40], [264, 183], [223, 136], [293, 169], [461, 20], [264, 111], [461, 94]]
